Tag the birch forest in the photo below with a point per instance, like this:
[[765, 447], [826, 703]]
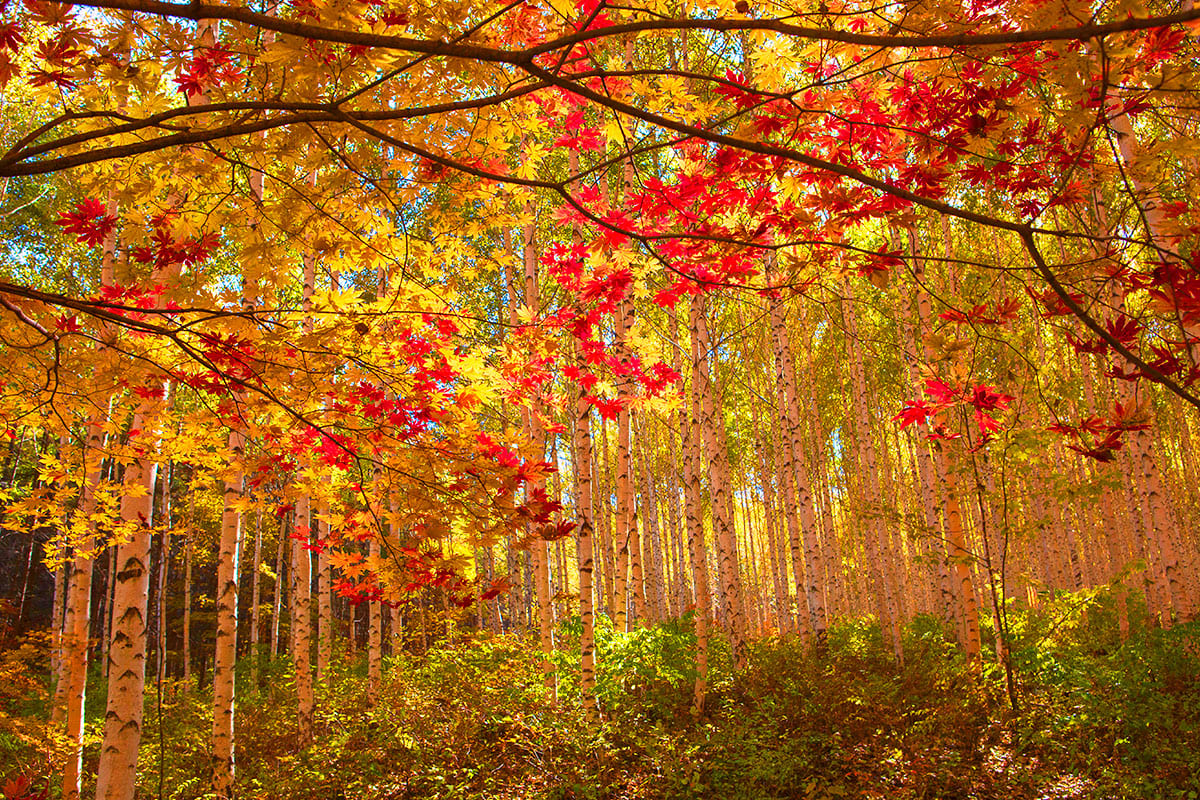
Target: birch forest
[[573, 399]]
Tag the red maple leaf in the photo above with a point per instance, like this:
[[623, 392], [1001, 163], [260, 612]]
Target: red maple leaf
[[90, 222], [58, 51], [560, 530], [1103, 451], [940, 391], [915, 412], [987, 425], [497, 588], [41, 77], [608, 409], [211, 67], [10, 36], [21, 788], [67, 324], [984, 398]]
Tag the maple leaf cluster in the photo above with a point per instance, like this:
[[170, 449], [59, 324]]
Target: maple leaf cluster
[[579, 137], [418, 569], [165, 250], [22, 788], [58, 56], [388, 16], [983, 399], [211, 66], [595, 297], [331, 449], [90, 222], [1001, 312], [1099, 437]]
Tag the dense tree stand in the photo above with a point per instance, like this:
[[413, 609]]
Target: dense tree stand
[[652, 400]]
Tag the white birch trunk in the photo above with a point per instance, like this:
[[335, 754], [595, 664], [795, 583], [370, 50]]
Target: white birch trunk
[[711, 431], [225, 654], [79, 608], [117, 773]]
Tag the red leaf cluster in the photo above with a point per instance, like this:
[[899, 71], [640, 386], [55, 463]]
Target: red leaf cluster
[[983, 400], [212, 66], [164, 250], [999, 313], [21, 788], [89, 222], [1098, 437]]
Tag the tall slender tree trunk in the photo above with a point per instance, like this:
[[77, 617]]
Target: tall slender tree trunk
[[806, 570], [301, 562], [683, 596], [657, 574], [280, 566], [300, 606], [229, 545], [624, 529], [694, 513], [961, 559], [117, 772], [539, 550], [601, 473], [788, 487], [375, 637], [913, 324], [831, 553], [711, 426], [582, 450], [187, 595], [79, 603], [79, 606], [166, 522], [753, 561], [324, 596], [58, 705], [256, 601], [225, 653], [783, 603], [540, 557]]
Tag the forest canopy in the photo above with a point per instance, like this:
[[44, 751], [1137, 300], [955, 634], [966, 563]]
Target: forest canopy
[[757, 315]]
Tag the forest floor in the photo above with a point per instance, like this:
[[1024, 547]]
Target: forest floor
[[1095, 718]]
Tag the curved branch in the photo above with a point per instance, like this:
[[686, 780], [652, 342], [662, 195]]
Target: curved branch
[[1079, 311], [199, 11], [14, 163]]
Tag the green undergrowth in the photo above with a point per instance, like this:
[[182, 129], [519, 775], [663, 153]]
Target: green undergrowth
[[1095, 718]]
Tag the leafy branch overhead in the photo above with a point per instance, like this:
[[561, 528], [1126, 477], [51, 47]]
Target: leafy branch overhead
[[757, 312]]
